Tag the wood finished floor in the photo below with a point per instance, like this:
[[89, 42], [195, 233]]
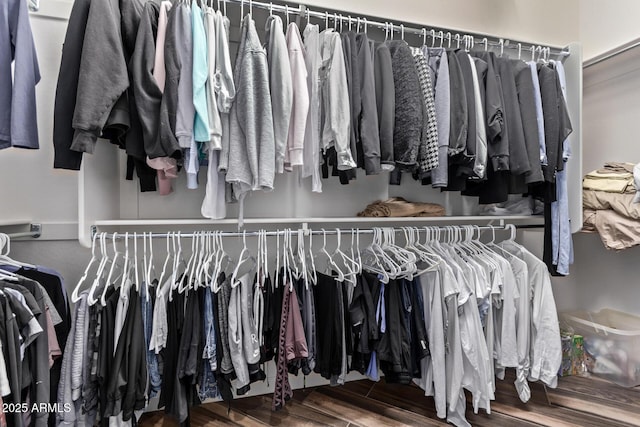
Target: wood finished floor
[[577, 401]]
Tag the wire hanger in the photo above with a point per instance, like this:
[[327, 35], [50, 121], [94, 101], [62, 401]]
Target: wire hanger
[[402, 31]]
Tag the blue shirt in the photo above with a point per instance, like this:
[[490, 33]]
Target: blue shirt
[[18, 122]]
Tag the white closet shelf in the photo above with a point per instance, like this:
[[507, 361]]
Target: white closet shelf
[[529, 220]]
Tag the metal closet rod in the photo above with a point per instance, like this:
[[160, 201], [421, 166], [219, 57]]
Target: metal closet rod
[[306, 231], [435, 33]]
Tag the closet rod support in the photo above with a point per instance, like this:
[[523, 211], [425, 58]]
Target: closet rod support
[[35, 231]]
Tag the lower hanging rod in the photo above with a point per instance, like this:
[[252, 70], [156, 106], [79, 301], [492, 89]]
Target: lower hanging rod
[[304, 231]]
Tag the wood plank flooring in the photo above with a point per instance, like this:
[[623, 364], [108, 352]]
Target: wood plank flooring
[[577, 401]]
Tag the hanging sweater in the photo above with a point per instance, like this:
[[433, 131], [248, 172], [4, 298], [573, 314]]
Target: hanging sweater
[[281, 86], [408, 106], [103, 77], [300, 107], [311, 150], [251, 144]]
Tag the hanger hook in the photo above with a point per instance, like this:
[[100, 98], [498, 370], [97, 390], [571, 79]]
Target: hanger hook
[[402, 31], [270, 9], [519, 50], [326, 20], [350, 23]]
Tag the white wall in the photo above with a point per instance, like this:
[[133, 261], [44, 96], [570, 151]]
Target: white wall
[[605, 25]]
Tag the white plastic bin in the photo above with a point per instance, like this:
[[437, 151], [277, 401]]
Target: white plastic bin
[[612, 339]]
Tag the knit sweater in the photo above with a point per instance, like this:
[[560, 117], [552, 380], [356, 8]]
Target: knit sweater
[[408, 106]]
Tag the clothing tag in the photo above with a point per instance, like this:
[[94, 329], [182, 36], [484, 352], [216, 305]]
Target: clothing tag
[[423, 344], [460, 310]]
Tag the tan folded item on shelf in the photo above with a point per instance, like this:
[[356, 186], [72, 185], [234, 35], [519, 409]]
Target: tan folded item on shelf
[[399, 207], [618, 167], [616, 231], [609, 181], [621, 203]]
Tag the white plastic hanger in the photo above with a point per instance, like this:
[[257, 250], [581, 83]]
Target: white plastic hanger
[[4, 257], [245, 257], [75, 297], [372, 261], [183, 283], [295, 272], [311, 264], [162, 289], [101, 268], [150, 267], [135, 259], [126, 269], [108, 283], [349, 271]]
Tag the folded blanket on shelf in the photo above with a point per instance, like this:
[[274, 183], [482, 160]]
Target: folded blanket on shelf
[[620, 203], [399, 207], [614, 177], [617, 232]]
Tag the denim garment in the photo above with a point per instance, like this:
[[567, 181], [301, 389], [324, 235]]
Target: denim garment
[[155, 380]]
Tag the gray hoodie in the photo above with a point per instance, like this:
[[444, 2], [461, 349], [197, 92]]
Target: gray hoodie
[[103, 75], [281, 86], [251, 140]]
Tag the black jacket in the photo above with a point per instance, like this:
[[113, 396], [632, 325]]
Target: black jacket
[[526, 99], [67, 87]]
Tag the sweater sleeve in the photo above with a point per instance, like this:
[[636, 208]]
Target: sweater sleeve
[[103, 74], [24, 126]]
